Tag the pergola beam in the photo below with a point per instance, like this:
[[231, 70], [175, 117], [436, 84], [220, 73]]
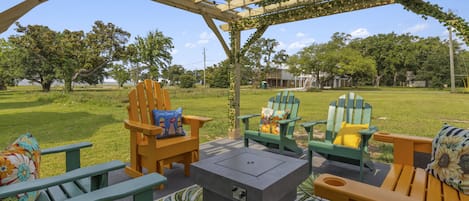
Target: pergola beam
[[306, 11], [233, 4], [274, 7], [202, 8], [10, 16], [217, 33]]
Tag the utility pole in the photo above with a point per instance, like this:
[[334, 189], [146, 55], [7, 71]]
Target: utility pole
[[204, 66], [451, 60]]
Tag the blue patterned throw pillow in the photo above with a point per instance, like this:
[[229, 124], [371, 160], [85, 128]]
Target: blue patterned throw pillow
[[170, 121]]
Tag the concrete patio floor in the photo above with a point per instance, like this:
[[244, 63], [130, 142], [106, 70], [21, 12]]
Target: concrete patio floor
[[177, 180]]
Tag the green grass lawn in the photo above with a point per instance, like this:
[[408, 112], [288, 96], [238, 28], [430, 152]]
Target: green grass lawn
[[96, 115]]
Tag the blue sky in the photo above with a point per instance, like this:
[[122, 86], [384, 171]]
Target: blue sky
[[191, 35]]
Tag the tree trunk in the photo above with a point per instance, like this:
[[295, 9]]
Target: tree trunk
[[46, 86], [394, 79], [318, 85], [378, 78], [3, 86], [67, 85]]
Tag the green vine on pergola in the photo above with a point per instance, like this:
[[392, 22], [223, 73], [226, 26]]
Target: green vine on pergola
[[448, 19], [423, 8]]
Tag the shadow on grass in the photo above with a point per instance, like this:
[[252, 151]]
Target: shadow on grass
[[15, 105], [50, 127]]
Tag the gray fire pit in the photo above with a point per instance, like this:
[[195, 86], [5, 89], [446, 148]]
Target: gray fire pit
[[249, 175]]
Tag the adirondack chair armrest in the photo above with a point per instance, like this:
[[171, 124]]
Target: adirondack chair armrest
[[405, 146], [72, 154], [66, 148], [190, 119], [287, 121], [146, 129], [248, 116], [245, 119], [85, 172], [334, 187], [140, 187], [310, 125], [366, 135], [368, 132]]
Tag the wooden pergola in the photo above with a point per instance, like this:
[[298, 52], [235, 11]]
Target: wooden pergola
[[241, 15], [237, 16]]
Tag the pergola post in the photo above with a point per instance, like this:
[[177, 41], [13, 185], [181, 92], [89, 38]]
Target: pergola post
[[235, 83]]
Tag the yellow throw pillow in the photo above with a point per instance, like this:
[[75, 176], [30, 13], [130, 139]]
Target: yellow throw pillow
[[348, 135]]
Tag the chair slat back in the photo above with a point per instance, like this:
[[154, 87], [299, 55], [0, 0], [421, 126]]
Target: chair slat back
[[349, 108], [286, 100], [146, 96]]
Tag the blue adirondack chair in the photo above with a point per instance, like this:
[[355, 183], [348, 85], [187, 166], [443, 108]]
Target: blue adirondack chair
[[351, 109], [284, 140]]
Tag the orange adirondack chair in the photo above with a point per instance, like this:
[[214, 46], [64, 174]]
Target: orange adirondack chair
[[146, 151]]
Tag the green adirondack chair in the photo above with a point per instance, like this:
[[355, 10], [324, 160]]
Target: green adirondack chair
[[352, 109], [284, 140], [87, 183]]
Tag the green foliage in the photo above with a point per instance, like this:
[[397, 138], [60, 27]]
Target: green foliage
[[260, 58], [154, 52], [104, 44], [120, 74], [8, 72], [45, 56], [173, 73], [218, 76], [37, 57], [331, 59], [187, 81], [448, 19], [269, 2]]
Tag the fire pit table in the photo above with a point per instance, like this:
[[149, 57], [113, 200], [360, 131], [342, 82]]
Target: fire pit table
[[249, 175]]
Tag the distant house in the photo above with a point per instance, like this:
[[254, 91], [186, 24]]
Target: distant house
[[281, 78]]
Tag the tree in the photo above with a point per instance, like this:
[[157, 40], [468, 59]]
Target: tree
[[334, 58], [280, 58], [354, 65], [259, 57], [9, 73], [104, 44], [154, 52], [306, 61], [38, 57], [434, 62], [120, 74], [218, 75], [69, 50], [187, 80], [381, 48], [173, 73]]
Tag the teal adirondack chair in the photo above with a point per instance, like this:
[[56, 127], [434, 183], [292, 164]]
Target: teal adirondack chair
[[284, 140], [352, 109], [87, 183]]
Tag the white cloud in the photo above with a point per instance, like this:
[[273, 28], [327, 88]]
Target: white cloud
[[205, 37], [190, 45], [360, 33], [416, 28], [300, 44], [300, 34], [174, 51], [281, 45]]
